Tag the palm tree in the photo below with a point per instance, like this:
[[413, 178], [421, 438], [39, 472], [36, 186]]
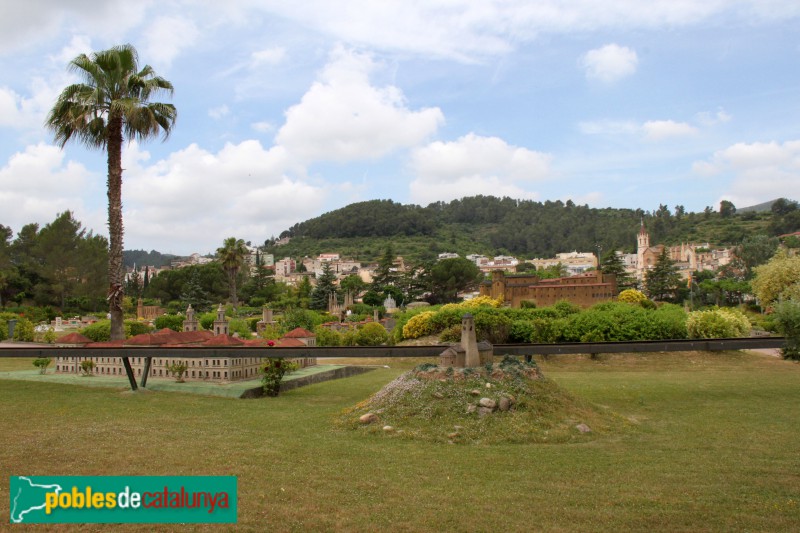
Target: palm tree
[[231, 255], [112, 103]]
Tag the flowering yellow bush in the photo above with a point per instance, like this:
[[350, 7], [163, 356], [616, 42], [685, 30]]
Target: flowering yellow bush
[[480, 301], [717, 323], [419, 325], [631, 296]]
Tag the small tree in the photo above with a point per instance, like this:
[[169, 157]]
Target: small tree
[[272, 372], [371, 334], [177, 369], [87, 367], [42, 363], [662, 281]]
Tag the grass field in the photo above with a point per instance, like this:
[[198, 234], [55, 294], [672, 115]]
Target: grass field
[[715, 449]]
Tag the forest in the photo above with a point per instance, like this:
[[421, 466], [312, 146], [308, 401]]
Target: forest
[[492, 226]]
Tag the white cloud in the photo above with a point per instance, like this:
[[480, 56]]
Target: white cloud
[[38, 183], [269, 56], [262, 127], [166, 37], [342, 117], [708, 119], [203, 197], [609, 63], [218, 112], [467, 30], [475, 165], [25, 24], [658, 130], [758, 171], [651, 130]]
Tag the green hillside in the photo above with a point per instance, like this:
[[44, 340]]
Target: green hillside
[[492, 226]]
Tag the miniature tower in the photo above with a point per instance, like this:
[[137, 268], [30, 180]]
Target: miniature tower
[[468, 342], [191, 323], [221, 323]]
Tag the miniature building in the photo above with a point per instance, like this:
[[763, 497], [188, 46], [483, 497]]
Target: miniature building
[[191, 323], [468, 352], [584, 290], [266, 319], [221, 323], [224, 369]]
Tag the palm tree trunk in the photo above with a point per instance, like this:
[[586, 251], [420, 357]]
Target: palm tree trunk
[[115, 289]]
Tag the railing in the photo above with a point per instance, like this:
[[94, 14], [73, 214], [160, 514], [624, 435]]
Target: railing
[[203, 352]]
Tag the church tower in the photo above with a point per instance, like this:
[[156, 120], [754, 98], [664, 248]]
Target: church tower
[[642, 244]]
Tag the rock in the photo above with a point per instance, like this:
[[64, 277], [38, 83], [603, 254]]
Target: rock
[[483, 411], [471, 408], [438, 395], [583, 428], [488, 403], [504, 404], [458, 428], [488, 385], [475, 392], [388, 429], [368, 418], [452, 435]]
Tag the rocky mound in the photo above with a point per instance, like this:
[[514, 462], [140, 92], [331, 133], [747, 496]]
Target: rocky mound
[[504, 402]]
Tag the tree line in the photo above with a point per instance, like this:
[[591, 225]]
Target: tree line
[[487, 224]]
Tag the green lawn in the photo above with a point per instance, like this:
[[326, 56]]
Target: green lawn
[[716, 449]]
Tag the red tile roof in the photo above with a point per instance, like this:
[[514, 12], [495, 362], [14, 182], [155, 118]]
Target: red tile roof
[[223, 340], [299, 333], [289, 342], [73, 338]]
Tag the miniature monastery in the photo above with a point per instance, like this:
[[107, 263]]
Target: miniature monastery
[[221, 369]]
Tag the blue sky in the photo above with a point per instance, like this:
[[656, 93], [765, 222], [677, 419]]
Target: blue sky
[[289, 111]]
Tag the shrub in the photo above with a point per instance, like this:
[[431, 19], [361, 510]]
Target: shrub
[[717, 324], [42, 363], [328, 337], [207, 320], [787, 320], [371, 334], [87, 367], [301, 318], [521, 331], [492, 326], [100, 331], [632, 296], [564, 308], [451, 334], [178, 369], [272, 332], [24, 330], [349, 338], [419, 325], [615, 321], [173, 322], [134, 327], [252, 323], [272, 372], [241, 327]]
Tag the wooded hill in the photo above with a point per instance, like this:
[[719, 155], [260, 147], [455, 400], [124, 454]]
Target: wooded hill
[[493, 226]]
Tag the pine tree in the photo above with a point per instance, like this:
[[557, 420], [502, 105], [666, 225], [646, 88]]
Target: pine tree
[[663, 280], [325, 287], [384, 275], [612, 264]]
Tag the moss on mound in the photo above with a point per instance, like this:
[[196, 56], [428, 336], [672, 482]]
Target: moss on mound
[[506, 402]]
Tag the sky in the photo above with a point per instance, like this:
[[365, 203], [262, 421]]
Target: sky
[[287, 110]]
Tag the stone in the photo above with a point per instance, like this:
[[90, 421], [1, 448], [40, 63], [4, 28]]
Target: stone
[[458, 428], [583, 428], [452, 435], [438, 395], [483, 411], [504, 404], [487, 403], [471, 408], [488, 385], [368, 418], [388, 429], [475, 392]]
